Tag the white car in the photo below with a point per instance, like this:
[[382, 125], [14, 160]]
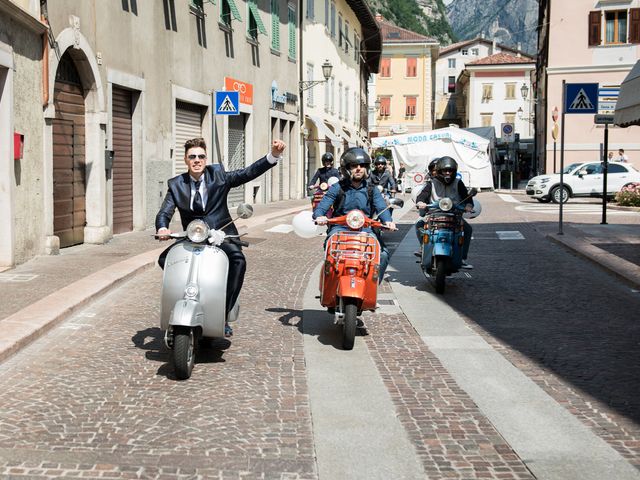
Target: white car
[[582, 180]]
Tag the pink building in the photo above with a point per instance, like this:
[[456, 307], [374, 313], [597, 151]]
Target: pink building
[[585, 41]]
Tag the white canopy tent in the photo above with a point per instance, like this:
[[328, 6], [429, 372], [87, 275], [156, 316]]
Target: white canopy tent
[[416, 150], [628, 106]]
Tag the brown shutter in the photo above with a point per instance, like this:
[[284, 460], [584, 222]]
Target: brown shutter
[[595, 28], [634, 25]]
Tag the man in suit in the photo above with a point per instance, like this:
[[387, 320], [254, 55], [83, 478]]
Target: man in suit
[[202, 193]]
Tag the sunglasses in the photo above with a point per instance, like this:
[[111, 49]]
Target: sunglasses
[[201, 156], [353, 167]]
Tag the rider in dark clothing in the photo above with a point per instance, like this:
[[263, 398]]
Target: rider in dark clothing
[[323, 174], [381, 176]]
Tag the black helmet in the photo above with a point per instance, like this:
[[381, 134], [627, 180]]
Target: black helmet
[[327, 157], [380, 160], [432, 165], [447, 169], [353, 156]]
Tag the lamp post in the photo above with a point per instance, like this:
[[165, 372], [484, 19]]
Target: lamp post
[[326, 73]]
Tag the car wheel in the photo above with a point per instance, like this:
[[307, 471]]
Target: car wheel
[[558, 195]]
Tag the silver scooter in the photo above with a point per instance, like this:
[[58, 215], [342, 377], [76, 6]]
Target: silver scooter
[[194, 289]]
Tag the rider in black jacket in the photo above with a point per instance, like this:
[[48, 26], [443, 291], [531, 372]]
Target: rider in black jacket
[[381, 176], [325, 172]]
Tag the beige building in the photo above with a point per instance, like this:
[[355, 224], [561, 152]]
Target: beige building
[[405, 84], [111, 103], [342, 35]]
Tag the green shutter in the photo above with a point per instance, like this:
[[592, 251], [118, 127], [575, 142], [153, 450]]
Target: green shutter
[[253, 8], [292, 33], [234, 10], [275, 25]]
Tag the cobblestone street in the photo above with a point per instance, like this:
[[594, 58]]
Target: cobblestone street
[[96, 397]]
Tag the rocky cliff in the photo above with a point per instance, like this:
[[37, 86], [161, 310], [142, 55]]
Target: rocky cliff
[[511, 22]]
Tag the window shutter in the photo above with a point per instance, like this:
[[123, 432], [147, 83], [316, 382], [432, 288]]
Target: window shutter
[[292, 33], [275, 25], [385, 107], [412, 63], [634, 25], [595, 28]]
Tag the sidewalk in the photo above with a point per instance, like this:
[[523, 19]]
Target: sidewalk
[[37, 295]]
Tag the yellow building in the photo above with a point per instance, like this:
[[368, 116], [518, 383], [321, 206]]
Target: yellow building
[[405, 84]]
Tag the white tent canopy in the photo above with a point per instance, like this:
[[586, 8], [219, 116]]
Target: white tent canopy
[[416, 150], [628, 107]]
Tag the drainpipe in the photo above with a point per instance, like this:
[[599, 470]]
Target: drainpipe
[[45, 63]]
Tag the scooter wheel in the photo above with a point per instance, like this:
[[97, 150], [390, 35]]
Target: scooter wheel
[[442, 265], [350, 324], [183, 352]]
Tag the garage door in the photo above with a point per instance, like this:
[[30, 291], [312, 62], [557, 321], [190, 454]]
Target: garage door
[[188, 126], [236, 154], [69, 214], [123, 161]]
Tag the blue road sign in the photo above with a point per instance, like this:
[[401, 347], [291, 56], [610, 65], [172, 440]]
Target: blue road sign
[[581, 98], [227, 103]]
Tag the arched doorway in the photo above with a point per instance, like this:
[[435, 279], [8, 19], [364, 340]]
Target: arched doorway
[[69, 188]]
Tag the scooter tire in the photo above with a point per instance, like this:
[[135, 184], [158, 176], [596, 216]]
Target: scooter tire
[[184, 354], [350, 324], [442, 265]]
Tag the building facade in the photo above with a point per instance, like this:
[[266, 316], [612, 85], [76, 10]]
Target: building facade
[[117, 98], [405, 84], [604, 39], [344, 35]]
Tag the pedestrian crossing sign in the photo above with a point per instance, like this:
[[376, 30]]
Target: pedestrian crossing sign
[[581, 98], [227, 103]]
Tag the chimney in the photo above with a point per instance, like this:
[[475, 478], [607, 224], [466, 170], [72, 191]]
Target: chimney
[[519, 47], [379, 17], [493, 46], [481, 34]]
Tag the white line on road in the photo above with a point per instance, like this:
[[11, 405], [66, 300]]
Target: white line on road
[[509, 235], [357, 434], [577, 209], [508, 198], [282, 228]]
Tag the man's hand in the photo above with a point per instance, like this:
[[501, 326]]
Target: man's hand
[[277, 148], [391, 225], [321, 220], [421, 205], [163, 234], [468, 208]]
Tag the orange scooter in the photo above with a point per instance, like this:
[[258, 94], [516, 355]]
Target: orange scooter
[[349, 279]]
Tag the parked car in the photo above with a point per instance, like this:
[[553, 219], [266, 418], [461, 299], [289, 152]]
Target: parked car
[[582, 180]]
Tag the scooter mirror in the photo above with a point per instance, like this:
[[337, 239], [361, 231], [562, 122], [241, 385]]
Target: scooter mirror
[[244, 210], [396, 203], [473, 192]]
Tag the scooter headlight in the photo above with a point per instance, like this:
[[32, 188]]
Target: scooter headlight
[[197, 231], [445, 204], [355, 219]]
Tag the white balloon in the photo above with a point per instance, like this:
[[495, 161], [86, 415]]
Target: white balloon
[[304, 226], [333, 180], [477, 210]]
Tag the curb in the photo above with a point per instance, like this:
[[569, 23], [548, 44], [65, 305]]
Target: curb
[[619, 267], [27, 325]]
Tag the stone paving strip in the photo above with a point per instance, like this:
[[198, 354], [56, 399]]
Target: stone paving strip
[[551, 442]]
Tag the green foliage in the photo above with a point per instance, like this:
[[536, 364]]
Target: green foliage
[[408, 14], [629, 196]]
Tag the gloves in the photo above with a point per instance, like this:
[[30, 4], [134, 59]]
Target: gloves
[[216, 237]]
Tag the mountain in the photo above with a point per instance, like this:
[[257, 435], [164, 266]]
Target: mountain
[[511, 22], [427, 17]]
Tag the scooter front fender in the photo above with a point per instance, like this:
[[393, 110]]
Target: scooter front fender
[[353, 287], [187, 313], [442, 248]]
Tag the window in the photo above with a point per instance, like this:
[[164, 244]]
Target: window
[[465, 52], [412, 67], [385, 106], [451, 84], [451, 109], [310, 90], [487, 92], [486, 119], [346, 104], [452, 63], [356, 47], [616, 168], [475, 52], [333, 20], [410, 110], [510, 117], [229, 11], [292, 32], [311, 9], [333, 95], [339, 30], [510, 91], [340, 100], [255, 25], [275, 25], [616, 27], [132, 6], [346, 37], [327, 96], [385, 67], [326, 13]]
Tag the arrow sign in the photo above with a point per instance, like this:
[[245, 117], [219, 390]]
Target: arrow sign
[[581, 98], [227, 103]]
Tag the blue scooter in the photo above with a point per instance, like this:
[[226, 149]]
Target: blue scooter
[[442, 238]]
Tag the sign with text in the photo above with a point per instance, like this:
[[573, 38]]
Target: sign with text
[[245, 90], [607, 99]]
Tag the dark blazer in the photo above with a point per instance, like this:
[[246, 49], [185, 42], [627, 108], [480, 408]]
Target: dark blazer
[[218, 183]]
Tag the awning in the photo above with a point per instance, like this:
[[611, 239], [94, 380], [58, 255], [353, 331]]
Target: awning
[[253, 8], [351, 137], [324, 131], [234, 10], [627, 111]]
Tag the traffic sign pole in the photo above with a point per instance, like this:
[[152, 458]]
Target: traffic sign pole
[[605, 169], [564, 97]]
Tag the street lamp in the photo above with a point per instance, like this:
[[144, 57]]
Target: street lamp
[[529, 118], [326, 73], [376, 104], [524, 90]]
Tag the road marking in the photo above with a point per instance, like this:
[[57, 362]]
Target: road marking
[[509, 235], [575, 208], [17, 277], [282, 228], [508, 198]]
